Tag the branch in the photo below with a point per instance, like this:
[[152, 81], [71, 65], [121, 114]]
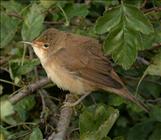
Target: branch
[[156, 46], [16, 15], [154, 9], [64, 120], [48, 103], [157, 100], [28, 90], [142, 60]]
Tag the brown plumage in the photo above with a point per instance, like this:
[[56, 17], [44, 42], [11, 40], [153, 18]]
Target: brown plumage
[[76, 63]]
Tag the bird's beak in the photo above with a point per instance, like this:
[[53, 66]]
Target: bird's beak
[[34, 43]]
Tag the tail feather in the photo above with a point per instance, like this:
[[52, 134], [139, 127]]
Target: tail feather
[[127, 95], [136, 101]]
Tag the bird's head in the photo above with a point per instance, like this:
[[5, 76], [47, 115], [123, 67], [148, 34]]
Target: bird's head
[[44, 45]]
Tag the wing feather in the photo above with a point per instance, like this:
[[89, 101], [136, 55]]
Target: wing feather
[[83, 56]]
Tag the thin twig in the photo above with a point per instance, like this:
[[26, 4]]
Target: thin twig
[[138, 78], [49, 113], [65, 16], [144, 3], [29, 90], [52, 107], [154, 9], [48, 104], [16, 15], [142, 60], [64, 120], [157, 100], [31, 55], [44, 108], [19, 124], [9, 82], [156, 46]]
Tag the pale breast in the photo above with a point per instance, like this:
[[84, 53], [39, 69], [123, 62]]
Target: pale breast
[[64, 79]]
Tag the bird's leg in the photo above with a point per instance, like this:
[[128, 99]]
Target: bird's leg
[[76, 102]]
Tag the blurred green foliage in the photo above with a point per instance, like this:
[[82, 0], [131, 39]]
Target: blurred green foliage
[[126, 28]]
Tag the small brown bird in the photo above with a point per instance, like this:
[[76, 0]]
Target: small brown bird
[[76, 63]]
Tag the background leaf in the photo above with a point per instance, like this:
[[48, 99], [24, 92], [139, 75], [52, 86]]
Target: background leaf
[[8, 29], [25, 105], [156, 135], [121, 42], [138, 131], [95, 123], [6, 111], [124, 25], [17, 70], [47, 3], [12, 6], [108, 21], [136, 20], [155, 67], [36, 134], [71, 10], [33, 23], [156, 113]]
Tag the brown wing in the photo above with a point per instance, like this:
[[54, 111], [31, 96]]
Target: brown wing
[[83, 56]]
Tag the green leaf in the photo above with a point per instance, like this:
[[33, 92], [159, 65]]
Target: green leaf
[[119, 138], [158, 35], [150, 89], [122, 122], [8, 29], [4, 133], [108, 21], [28, 66], [6, 110], [73, 10], [106, 138], [153, 69], [16, 69], [148, 40], [1, 89], [106, 2], [124, 25], [137, 3], [136, 20], [96, 122], [33, 23], [25, 105], [134, 107], [156, 135], [140, 131], [115, 100], [12, 6], [36, 134], [121, 42], [106, 127], [47, 3], [156, 113]]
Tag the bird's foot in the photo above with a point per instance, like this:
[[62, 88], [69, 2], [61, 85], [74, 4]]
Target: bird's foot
[[68, 104]]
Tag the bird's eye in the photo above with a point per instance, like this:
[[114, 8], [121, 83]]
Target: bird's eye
[[46, 45]]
